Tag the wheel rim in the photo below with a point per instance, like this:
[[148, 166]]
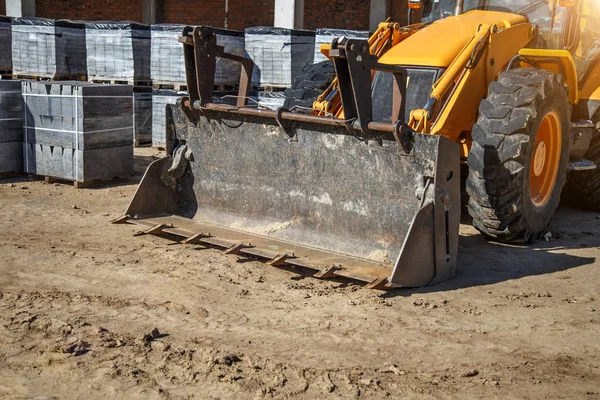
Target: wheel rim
[[545, 159]]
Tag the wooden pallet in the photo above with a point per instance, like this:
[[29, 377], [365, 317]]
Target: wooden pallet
[[170, 85], [142, 142], [80, 185], [50, 77], [11, 174], [179, 86], [271, 89], [130, 82]]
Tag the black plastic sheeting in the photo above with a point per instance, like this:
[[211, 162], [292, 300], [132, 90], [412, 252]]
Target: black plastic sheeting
[[47, 48], [35, 21], [169, 92], [116, 25], [270, 30], [5, 44], [343, 32], [168, 27], [179, 28]]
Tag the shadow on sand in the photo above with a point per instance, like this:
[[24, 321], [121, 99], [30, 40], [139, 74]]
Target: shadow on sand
[[485, 262]]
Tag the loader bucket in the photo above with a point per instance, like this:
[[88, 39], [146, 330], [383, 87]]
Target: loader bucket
[[355, 198], [308, 195]]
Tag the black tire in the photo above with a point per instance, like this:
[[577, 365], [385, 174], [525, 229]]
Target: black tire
[[308, 85], [499, 161], [583, 187]]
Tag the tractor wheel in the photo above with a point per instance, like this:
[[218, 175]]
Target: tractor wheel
[[583, 187], [308, 85], [518, 161]]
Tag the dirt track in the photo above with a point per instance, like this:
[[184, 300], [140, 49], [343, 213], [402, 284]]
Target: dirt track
[[77, 296]]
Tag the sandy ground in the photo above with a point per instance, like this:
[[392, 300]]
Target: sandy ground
[[79, 299]]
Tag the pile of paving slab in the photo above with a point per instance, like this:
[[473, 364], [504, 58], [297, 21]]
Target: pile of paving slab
[[76, 97]]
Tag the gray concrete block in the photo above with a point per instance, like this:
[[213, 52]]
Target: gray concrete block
[[279, 54], [5, 44], [78, 165], [78, 115], [326, 36], [118, 50], [48, 48], [11, 111], [11, 156], [160, 99], [167, 61]]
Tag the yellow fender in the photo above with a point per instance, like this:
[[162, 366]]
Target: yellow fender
[[558, 61]]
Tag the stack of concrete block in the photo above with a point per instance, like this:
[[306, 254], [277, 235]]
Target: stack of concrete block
[[166, 56], [326, 36], [5, 45], [161, 98], [279, 54], [11, 126], [228, 72], [118, 50], [78, 131], [48, 48], [142, 116], [168, 64]]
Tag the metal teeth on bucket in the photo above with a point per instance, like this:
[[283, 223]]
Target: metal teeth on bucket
[[325, 265]]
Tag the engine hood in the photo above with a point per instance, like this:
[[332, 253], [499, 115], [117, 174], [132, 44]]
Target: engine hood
[[438, 44]]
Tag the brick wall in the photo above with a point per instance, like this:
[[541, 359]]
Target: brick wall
[[244, 13], [343, 14], [202, 12], [119, 10], [399, 12], [349, 14], [195, 12]]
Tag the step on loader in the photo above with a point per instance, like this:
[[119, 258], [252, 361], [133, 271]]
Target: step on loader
[[373, 193]]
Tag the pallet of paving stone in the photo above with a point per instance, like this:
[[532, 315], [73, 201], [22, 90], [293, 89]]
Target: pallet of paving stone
[[78, 131], [5, 46], [48, 77], [167, 61], [48, 49], [327, 35], [136, 83], [11, 127], [118, 51], [279, 54], [177, 86]]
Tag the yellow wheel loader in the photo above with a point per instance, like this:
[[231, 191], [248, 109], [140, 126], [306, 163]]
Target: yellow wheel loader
[[368, 186]]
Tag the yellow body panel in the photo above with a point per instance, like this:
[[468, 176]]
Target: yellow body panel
[[590, 89], [558, 61], [503, 47], [460, 113], [440, 42]]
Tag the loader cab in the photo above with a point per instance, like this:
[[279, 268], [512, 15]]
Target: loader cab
[[557, 21]]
